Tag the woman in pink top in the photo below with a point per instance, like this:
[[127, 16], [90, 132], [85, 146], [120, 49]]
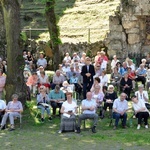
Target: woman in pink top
[[2, 82], [32, 83], [43, 80]]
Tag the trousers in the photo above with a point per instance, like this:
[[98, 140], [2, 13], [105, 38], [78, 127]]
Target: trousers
[[11, 116]]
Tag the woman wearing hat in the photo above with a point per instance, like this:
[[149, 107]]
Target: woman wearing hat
[[68, 111]]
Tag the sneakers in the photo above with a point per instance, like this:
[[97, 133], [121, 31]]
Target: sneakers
[[146, 126], [59, 131], [42, 120], [138, 127], [94, 129], [78, 130], [12, 128], [50, 119]]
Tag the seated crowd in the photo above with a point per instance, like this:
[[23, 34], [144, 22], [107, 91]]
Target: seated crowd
[[89, 80]]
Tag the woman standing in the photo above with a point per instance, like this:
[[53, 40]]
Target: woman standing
[[141, 112], [68, 110]]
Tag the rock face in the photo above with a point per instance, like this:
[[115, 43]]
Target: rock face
[[129, 34], [2, 35]]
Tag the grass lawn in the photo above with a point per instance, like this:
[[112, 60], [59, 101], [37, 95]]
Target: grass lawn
[[38, 136]]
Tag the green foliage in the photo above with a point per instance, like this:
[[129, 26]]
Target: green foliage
[[23, 36]]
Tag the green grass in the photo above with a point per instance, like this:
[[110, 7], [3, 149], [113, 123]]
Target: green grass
[[76, 16], [36, 135]]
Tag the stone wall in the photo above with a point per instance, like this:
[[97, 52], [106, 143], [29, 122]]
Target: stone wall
[[90, 49], [2, 35], [130, 29]]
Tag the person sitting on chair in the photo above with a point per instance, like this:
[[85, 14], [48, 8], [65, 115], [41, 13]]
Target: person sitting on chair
[[140, 111], [68, 110], [97, 95], [57, 97], [89, 112], [97, 81], [2, 108], [109, 98], [58, 79], [43, 80], [42, 103], [126, 85], [142, 95], [115, 78], [13, 110], [120, 107], [141, 74]]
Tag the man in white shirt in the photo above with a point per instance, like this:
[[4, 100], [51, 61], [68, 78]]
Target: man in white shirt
[[89, 112], [120, 107]]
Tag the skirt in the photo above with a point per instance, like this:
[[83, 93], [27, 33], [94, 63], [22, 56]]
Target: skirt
[[68, 124]]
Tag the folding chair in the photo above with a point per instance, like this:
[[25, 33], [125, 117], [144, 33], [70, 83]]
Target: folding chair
[[20, 120]]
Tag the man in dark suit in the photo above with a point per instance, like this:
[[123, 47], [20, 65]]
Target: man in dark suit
[[87, 72]]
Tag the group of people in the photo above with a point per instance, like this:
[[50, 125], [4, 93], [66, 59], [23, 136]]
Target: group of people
[[89, 79]]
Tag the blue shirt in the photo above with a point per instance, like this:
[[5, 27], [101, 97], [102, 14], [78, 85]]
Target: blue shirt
[[89, 103], [122, 71], [55, 96], [141, 71]]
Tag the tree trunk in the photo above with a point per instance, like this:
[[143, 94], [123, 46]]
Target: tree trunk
[[54, 32], [15, 63], [2, 35]]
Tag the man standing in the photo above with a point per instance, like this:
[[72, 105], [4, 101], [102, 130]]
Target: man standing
[[120, 107], [89, 112], [87, 72]]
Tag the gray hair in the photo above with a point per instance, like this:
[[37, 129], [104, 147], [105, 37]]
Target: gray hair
[[14, 96]]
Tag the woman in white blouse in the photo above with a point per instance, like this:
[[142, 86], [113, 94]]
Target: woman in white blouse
[[104, 78], [141, 112], [68, 110]]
